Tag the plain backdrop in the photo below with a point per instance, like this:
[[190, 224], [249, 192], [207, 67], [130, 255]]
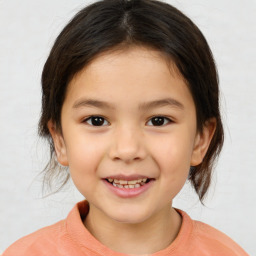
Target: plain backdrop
[[27, 31]]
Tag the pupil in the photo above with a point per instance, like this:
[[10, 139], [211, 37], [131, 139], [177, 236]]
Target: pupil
[[158, 121], [97, 121]]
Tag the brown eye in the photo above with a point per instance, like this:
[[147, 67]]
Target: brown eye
[[159, 120], [96, 121]]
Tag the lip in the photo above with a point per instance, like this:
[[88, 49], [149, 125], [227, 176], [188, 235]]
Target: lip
[[128, 192]]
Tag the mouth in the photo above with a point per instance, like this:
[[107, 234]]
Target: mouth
[[128, 184]]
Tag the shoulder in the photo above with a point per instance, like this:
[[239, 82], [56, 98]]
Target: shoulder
[[215, 241], [60, 238], [41, 242], [199, 238]]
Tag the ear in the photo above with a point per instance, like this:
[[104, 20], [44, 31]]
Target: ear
[[202, 142], [59, 144]]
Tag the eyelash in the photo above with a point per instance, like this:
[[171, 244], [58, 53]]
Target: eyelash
[[165, 118]]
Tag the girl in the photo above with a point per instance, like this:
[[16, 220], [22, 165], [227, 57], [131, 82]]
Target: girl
[[130, 107]]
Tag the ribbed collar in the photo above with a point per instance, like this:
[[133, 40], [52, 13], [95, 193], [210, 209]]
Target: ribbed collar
[[83, 238]]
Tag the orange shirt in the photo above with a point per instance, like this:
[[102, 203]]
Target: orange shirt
[[69, 237]]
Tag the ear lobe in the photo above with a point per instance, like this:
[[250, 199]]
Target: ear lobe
[[202, 142], [59, 144]]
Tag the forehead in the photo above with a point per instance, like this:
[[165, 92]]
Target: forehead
[[136, 73], [141, 57]]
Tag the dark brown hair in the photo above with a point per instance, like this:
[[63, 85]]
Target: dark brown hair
[[117, 24]]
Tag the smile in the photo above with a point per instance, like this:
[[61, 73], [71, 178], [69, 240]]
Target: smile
[[127, 187], [128, 184]]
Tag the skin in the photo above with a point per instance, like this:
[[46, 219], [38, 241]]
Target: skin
[[128, 143]]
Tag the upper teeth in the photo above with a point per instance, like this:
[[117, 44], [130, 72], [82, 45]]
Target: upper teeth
[[126, 182]]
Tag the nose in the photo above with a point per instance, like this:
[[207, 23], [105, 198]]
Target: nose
[[127, 145]]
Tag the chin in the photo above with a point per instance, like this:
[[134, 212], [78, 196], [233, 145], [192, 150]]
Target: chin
[[130, 217]]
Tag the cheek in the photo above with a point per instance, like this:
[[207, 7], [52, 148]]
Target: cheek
[[84, 158], [173, 156], [174, 150], [174, 167], [84, 154]]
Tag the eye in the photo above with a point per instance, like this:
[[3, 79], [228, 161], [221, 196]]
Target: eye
[[96, 121], [159, 120], [101, 121]]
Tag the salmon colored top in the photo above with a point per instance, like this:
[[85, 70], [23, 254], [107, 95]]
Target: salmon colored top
[[69, 237]]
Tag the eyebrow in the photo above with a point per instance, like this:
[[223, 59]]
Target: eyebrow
[[143, 106]]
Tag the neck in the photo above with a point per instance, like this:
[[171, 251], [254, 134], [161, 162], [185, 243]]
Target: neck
[[148, 237]]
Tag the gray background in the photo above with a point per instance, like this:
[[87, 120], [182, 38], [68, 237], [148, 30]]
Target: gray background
[[27, 31]]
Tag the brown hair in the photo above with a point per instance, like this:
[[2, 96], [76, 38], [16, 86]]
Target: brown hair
[[111, 24]]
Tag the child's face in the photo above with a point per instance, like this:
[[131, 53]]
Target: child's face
[[128, 142]]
